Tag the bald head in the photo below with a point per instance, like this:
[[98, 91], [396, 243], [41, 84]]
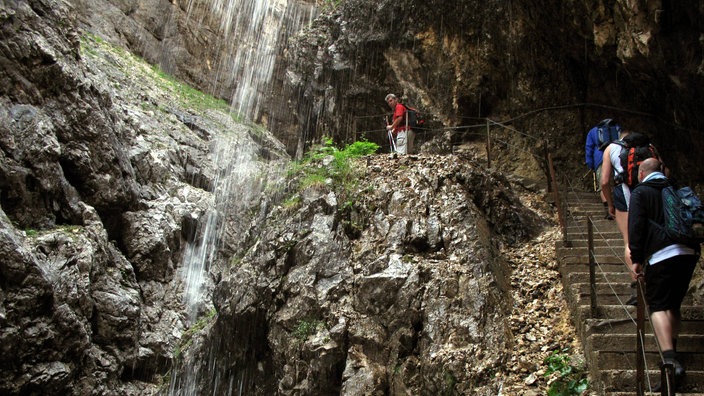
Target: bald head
[[647, 167]]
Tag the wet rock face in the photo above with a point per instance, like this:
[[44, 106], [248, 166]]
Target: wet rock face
[[578, 61], [394, 287], [104, 179], [57, 125], [461, 60]]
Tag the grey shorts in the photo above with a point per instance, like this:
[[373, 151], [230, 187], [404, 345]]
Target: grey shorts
[[598, 178]]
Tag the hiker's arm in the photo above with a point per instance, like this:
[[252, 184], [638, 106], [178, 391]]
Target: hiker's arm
[[637, 230], [394, 124], [589, 151], [606, 172]]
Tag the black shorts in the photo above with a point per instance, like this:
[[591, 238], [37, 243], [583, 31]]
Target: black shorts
[[666, 282], [619, 199]]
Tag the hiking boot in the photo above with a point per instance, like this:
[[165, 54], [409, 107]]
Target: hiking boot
[[679, 370], [633, 300]]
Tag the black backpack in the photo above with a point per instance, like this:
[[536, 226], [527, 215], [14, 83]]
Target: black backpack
[[414, 117], [636, 149], [607, 132]]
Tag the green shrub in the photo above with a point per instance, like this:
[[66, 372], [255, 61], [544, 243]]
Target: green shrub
[[306, 328], [340, 170], [571, 379]]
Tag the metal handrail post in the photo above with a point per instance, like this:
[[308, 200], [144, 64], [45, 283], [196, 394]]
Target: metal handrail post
[[488, 145], [592, 267], [556, 197], [640, 336], [667, 384]]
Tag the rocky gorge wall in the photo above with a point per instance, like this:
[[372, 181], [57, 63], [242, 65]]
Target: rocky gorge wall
[[396, 286], [550, 70], [106, 175]]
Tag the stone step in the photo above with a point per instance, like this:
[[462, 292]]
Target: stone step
[[609, 339], [581, 196], [583, 260], [614, 249], [621, 360], [597, 242], [581, 275], [625, 380], [689, 312], [692, 344], [579, 233], [627, 326], [613, 293], [578, 225]]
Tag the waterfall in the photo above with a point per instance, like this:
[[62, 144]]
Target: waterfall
[[234, 185], [240, 179], [253, 33]]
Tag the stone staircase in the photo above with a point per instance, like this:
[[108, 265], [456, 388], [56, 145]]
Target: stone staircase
[[609, 339]]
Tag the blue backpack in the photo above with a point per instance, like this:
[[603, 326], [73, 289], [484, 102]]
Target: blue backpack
[[607, 132], [684, 215]]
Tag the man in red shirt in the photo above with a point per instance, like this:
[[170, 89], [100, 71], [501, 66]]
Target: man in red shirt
[[399, 128]]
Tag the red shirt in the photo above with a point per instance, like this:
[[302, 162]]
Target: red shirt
[[400, 112]]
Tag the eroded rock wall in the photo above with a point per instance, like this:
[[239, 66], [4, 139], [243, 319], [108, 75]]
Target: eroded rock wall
[[396, 286], [551, 70], [105, 175]]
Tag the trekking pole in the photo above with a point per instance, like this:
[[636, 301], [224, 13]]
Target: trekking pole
[[392, 144], [391, 141]]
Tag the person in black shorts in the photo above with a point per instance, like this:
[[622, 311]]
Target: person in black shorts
[[617, 196], [667, 266]]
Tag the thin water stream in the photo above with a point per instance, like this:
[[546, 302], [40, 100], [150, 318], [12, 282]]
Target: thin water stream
[[253, 32], [238, 181]]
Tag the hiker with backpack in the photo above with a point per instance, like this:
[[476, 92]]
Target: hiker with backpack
[[666, 264], [598, 138], [400, 132], [620, 169]]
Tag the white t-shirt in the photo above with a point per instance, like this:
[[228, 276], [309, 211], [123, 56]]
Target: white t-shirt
[[614, 155]]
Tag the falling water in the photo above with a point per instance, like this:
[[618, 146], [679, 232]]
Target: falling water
[[238, 181], [235, 183], [253, 32]]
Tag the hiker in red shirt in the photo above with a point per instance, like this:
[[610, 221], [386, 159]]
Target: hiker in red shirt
[[401, 132]]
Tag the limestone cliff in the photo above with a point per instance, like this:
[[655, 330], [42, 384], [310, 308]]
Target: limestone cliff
[[106, 176], [109, 178], [110, 172], [551, 70]]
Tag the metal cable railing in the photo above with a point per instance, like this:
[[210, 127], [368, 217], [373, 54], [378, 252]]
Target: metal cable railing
[[592, 230], [667, 371]]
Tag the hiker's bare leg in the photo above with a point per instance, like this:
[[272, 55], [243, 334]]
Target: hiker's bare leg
[[664, 329], [622, 223]]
